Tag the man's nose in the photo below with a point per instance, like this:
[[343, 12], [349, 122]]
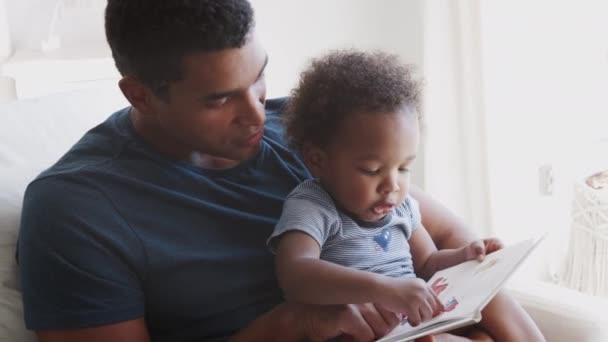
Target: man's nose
[[252, 111]]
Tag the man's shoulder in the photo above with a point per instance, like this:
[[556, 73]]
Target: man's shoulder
[[276, 105], [274, 123], [60, 192], [96, 147], [76, 178]]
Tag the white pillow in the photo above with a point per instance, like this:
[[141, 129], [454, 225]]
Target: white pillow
[[34, 134], [12, 327], [562, 314]]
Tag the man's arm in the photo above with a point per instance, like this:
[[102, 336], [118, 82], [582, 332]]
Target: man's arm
[[129, 331], [79, 264], [286, 322], [445, 228], [297, 322], [503, 317]]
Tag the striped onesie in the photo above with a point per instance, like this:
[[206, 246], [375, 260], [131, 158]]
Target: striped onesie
[[380, 247]]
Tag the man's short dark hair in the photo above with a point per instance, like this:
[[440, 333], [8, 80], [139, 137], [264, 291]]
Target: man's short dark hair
[[342, 84], [150, 38]]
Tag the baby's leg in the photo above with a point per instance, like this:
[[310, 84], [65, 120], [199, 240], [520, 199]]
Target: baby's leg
[[474, 333], [505, 320]]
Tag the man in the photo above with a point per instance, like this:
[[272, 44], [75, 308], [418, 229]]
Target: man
[[153, 226]]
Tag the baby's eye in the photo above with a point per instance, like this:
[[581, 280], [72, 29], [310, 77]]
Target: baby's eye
[[404, 170], [369, 171]]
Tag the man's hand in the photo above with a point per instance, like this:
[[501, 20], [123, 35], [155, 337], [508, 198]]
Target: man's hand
[[362, 322], [479, 248], [412, 297]]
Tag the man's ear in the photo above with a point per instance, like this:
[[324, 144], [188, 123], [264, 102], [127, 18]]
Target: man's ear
[[137, 93], [314, 157]]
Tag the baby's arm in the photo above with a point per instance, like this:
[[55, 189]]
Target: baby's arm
[[428, 260], [306, 278]]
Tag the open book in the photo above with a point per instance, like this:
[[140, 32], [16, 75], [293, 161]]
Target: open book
[[465, 290]]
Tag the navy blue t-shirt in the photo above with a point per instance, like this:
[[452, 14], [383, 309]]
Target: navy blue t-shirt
[[116, 231]]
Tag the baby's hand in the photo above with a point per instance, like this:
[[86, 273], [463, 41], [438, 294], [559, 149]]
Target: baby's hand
[[478, 249], [412, 297]]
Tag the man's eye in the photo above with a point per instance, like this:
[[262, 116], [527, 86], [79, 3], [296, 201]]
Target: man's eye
[[215, 103]]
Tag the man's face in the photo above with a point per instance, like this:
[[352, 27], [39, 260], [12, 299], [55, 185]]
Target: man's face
[[366, 166], [217, 109]]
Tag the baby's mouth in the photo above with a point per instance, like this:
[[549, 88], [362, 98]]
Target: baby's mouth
[[383, 209]]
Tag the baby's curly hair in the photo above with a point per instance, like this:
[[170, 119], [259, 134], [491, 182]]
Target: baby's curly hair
[[341, 84]]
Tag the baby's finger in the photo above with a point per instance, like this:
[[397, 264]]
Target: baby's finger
[[436, 303], [473, 250], [492, 245], [426, 312], [479, 248], [413, 318]]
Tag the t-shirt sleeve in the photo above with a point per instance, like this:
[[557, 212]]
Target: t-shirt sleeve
[[410, 210], [80, 263], [306, 211]]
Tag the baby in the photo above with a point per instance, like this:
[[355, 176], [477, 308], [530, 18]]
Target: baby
[[352, 234]]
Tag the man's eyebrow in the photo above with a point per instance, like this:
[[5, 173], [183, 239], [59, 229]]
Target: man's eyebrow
[[216, 96], [263, 68]]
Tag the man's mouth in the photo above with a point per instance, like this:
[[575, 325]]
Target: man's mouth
[[255, 138]]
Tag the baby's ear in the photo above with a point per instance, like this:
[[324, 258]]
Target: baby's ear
[[314, 157]]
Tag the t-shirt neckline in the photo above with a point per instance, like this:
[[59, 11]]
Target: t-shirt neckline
[[126, 125]]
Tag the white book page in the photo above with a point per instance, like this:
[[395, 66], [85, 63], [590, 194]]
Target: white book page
[[465, 289]]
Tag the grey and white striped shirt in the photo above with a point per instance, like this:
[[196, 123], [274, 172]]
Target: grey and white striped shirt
[[380, 247]]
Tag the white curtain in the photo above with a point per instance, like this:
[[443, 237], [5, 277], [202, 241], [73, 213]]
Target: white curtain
[[455, 170]]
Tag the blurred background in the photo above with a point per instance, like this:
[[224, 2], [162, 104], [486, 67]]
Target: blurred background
[[515, 116]]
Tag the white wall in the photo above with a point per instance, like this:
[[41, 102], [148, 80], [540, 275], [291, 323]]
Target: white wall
[[7, 91], [546, 74], [5, 39], [293, 31], [79, 22]]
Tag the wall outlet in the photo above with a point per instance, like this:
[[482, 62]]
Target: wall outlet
[[545, 180]]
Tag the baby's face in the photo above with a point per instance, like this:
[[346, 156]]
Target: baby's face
[[366, 167]]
